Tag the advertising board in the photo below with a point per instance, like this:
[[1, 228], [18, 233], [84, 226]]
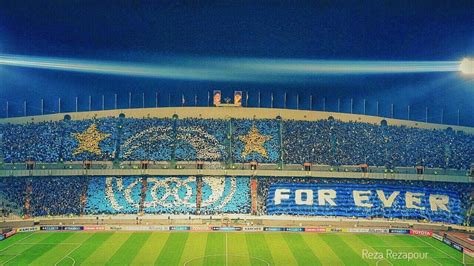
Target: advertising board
[[180, 228], [226, 228], [421, 232], [315, 229], [94, 228], [399, 231], [28, 229]]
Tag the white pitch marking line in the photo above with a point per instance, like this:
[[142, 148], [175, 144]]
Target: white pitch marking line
[[439, 249], [67, 255], [16, 243], [5, 263]]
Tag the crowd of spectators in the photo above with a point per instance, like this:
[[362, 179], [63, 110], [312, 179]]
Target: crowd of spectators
[[225, 195], [53, 196], [333, 142], [202, 139], [32, 141], [458, 191], [146, 139], [262, 137], [56, 196], [327, 142]]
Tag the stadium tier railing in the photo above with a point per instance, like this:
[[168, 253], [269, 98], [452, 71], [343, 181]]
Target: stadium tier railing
[[232, 172]]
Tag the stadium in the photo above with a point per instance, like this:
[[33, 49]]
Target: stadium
[[233, 160]]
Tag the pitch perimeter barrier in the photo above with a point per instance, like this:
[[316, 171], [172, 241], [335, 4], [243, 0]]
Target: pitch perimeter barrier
[[28, 229], [421, 232], [399, 231], [226, 228]]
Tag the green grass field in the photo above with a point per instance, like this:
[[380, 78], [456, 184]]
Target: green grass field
[[202, 248]]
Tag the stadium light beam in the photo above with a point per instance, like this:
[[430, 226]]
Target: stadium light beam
[[467, 66], [234, 69]]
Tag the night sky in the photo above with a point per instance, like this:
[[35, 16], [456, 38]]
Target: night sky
[[132, 31]]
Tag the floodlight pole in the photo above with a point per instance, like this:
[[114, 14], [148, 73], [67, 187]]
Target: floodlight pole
[[90, 102], [103, 102], [42, 106], [311, 102], [377, 108], [24, 108], [442, 115], [426, 114], [338, 105], [365, 109], [408, 112], [392, 111], [352, 105], [459, 114], [7, 109], [77, 101], [324, 104], [115, 101], [59, 105], [156, 99]]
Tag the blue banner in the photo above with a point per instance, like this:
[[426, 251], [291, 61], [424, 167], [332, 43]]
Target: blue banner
[[366, 200], [295, 229], [227, 228], [50, 228], [73, 228], [180, 228], [274, 229], [399, 231]]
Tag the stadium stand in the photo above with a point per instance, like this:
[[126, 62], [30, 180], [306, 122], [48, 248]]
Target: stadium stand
[[392, 199], [199, 139], [322, 142], [389, 199], [146, 139]]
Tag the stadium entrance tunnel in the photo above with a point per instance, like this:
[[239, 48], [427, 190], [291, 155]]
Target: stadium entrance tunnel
[[227, 260]]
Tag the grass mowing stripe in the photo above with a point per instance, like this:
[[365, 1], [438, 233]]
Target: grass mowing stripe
[[107, 249], [279, 249], [215, 249], [35, 251], [88, 247], [127, 252], [322, 251], [433, 252], [150, 251], [194, 249], [343, 250], [302, 253], [171, 252], [373, 243], [11, 240], [258, 248], [441, 247], [57, 253], [237, 249], [20, 246]]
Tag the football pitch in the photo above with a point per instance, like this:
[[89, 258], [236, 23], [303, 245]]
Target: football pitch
[[219, 248]]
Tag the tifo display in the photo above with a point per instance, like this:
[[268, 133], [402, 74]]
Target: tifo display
[[326, 142], [414, 200]]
